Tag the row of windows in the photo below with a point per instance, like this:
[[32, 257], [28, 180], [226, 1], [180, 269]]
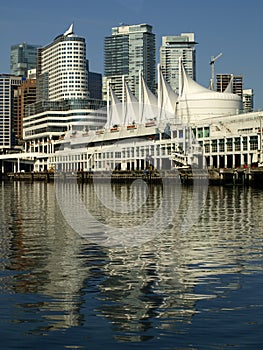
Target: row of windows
[[230, 144], [72, 87], [79, 65], [55, 67]]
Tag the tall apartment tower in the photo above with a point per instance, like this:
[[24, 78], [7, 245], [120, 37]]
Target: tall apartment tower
[[222, 81], [8, 86], [172, 49], [130, 49], [23, 57], [61, 69]]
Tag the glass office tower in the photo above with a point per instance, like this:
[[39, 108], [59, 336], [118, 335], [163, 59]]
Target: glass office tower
[[23, 57], [130, 49]]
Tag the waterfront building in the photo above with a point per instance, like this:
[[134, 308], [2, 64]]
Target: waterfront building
[[23, 57], [248, 100], [130, 49], [226, 138], [199, 126], [174, 48], [8, 106], [47, 122]]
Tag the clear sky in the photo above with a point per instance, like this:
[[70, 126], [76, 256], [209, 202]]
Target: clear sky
[[233, 27]]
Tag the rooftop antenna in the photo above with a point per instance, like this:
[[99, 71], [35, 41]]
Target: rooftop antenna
[[212, 63]]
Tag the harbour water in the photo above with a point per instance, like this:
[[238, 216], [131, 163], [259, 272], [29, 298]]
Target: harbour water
[[195, 289]]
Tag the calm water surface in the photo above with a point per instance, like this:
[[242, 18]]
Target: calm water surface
[[202, 289]]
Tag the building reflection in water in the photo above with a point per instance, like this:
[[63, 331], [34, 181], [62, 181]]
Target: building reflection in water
[[44, 253], [137, 289]]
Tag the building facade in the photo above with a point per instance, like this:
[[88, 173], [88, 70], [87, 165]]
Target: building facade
[[61, 68], [62, 96], [130, 49], [173, 49], [23, 57], [248, 100], [25, 95], [8, 107], [94, 84], [223, 80]]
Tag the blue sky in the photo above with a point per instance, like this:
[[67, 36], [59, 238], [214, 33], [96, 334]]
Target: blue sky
[[234, 28]]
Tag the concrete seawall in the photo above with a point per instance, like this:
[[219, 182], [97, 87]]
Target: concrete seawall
[[244, 177]]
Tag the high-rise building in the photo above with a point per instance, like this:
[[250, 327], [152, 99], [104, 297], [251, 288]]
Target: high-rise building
[[24, 96], [223, 80], [130, 49], [94, 84], [61, 68], [248, 100], [23, 57], [174, 48], [8, 85], [62, 97]]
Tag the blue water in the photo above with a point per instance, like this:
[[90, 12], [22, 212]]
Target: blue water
[[201, 289]]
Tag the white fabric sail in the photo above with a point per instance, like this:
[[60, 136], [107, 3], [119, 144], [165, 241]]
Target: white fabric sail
[[70, 30], [167, 98], [197, 102], [115, 110], [131, 107], [149, 103]]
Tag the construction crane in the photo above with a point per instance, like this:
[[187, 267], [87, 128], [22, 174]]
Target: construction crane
[[212, 63]]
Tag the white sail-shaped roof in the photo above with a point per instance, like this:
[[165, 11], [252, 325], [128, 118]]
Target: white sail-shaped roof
[[70, 30], [167, 98], [131, 107], [115, 110], [149, 103], [197, 102]]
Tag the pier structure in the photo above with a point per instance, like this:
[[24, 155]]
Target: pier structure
[[214, 177], [19, 162]]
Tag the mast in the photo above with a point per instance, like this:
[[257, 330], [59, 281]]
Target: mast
[[108, 104], [140, 96], [160, 96], [123, 101], [260, 142]]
